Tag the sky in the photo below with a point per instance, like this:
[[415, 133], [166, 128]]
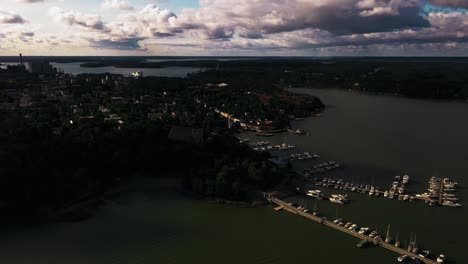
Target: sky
[[234, 27]]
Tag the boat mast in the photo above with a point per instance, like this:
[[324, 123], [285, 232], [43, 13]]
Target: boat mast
[[387, 238], [410, 245]]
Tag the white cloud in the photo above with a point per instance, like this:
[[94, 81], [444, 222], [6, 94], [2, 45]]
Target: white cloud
[[117, 4]]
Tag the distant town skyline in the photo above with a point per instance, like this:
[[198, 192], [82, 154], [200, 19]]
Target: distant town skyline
[[234, 28]]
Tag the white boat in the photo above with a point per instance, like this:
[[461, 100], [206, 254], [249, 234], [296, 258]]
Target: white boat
[[423, 195], [342, 197], [315, 194], [363, 230], [406, 197], [336, 200], [451, 204], [137, 74], [337, 221], [401, 190], [441, 258], [405, 179], [424, 253], [402, 258]]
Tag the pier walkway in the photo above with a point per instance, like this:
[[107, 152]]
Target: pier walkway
[[325, 222]]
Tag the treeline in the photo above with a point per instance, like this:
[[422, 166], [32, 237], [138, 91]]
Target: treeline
[[41, 171]]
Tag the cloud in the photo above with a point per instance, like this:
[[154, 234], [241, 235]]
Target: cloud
[[11, 18], [254, 18], [274, 25], [117, 4], [450, 3], [123, 44], [72, 18], [30, 1]]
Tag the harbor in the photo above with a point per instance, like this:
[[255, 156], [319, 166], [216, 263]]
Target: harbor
[[372, 238], [418, 209], [440, 191]]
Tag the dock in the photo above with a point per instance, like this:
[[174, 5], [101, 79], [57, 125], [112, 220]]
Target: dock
[[324, 221]]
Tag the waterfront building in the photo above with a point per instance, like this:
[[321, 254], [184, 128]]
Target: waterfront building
[[42, 67]]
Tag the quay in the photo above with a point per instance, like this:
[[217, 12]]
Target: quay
[[324, 221]]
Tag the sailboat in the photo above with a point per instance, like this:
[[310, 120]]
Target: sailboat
[[397, 243], [315, 212], [415, 247], [388, 238], [410, 245]]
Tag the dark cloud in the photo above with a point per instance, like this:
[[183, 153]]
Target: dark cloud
[[348, 23], [124, 44], [11, 18]]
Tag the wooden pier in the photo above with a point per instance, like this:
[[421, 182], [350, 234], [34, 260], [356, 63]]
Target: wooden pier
[[323, 221]]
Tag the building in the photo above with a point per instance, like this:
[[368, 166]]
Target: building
[[41, 67]]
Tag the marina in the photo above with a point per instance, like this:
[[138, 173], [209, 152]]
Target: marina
[[440, 191], [372, 238]]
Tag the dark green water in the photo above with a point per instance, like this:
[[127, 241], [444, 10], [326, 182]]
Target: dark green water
[[376, 137]]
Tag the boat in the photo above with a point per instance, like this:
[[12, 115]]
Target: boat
[[441, 258], [388, 238], [296, 131], [137, 74], [451, 204], [397, 242], [401, 189], [397, 178], [342, 197], [423, 195], [424, 253], [338, 220], [405, 179], [315, 194], [263, 134], [336, 200], [406, 197], [363, 230], [402, 258], [362, 243]]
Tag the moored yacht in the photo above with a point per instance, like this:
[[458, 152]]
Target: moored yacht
[[405, 179], [402, 258], [424, 253], [451, 204], [336, 200], [315, 194], [441, 258]]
